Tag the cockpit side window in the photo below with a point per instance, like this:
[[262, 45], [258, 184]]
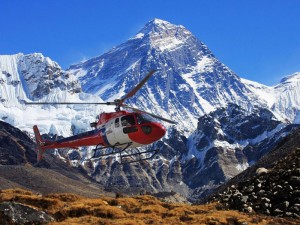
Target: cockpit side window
[[127, 120], [117, 122]]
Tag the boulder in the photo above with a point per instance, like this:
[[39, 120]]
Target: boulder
[[16, 213]]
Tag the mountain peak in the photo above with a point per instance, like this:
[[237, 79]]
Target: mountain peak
[[163, 35], [160, 22], [158, 26]]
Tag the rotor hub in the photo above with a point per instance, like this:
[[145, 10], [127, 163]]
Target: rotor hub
[[118, 103]]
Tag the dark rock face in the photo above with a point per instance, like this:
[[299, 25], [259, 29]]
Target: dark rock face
[[234, 125], [16, 148], [174, 145], [274, 190], [16, 213], [227, 141], [140, 177]]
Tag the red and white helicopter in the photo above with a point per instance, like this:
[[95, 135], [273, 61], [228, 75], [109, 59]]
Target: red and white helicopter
[[121, 132]]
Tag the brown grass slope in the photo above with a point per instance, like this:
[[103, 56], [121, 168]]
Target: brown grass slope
[[74, 209]]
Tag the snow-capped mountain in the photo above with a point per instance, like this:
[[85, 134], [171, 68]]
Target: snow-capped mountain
[[288, 100], [189, 80], [35, 77], [282, 99]]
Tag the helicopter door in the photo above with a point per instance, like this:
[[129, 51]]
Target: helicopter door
[[109, 127], [114, 132], [123, 126], [120, 137]]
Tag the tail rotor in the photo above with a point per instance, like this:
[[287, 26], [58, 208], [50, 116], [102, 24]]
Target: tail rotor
[[39, 143]]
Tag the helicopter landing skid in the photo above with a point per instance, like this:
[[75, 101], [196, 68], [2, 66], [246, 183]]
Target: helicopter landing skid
[[98, 153], [136, 155], [126, 155]]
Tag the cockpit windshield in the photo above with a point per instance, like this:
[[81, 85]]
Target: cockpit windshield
[[127, 120], [144, 118]]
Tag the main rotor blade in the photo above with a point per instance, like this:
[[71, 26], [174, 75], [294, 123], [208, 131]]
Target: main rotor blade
[[151, 114], [134, 90], [70, 103]]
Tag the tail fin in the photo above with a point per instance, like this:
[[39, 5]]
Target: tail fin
[[39, 141]]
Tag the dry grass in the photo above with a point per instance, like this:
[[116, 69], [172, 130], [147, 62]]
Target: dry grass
[[74, 209], [28, 198]]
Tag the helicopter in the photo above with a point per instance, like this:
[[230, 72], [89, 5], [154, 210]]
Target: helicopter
[[121, 132]]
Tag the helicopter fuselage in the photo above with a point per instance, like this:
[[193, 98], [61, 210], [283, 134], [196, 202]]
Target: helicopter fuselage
[[118, 128]]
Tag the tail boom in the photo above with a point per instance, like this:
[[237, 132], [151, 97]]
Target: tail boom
[[88, 138]]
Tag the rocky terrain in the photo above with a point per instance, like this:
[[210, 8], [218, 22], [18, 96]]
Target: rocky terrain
[[16, 148], [23, 207], [270, 187]]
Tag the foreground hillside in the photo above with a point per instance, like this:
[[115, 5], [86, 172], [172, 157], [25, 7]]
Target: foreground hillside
[[23, 207], [272, 186]]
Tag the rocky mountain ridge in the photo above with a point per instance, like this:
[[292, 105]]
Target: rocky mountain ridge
[[226, 142]]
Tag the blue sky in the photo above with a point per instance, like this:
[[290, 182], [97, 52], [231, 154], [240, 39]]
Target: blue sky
[[258, 39]]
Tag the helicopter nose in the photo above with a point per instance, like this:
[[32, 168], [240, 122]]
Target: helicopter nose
[[154, 130], [148, 133], [160, 130]]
